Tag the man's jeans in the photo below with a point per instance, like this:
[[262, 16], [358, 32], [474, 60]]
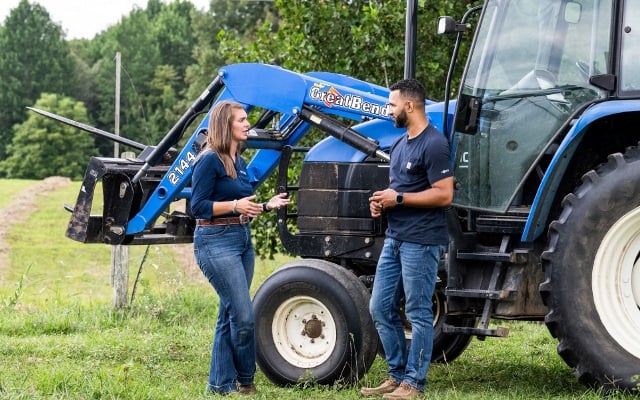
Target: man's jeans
[[226, 257], [413, 267]]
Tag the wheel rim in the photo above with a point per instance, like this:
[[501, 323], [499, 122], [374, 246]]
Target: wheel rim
[[438, 306], [616, 281], [304, 331]]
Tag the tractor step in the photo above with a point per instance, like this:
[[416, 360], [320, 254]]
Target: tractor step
[[517, 256], [512, 222], [480, 293], [500, 331]]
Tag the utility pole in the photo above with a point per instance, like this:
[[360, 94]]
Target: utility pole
[[119, 253], [116, 145]]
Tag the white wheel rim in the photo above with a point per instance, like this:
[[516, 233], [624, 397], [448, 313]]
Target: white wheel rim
[[616, 281], [304, 332]]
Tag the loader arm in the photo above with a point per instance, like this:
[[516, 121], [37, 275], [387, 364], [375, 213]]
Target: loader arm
[[138, 192]]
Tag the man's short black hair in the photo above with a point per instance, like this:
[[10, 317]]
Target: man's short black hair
[[410, 88]]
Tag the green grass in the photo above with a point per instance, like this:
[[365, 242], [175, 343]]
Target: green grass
[[60, 268], [61, 339]]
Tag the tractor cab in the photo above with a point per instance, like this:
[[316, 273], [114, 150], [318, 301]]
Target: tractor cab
[[533, 66]]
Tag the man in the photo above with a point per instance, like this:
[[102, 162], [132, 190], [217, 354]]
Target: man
[[420, 185]]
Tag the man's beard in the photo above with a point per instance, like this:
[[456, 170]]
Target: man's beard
[[400, 121]]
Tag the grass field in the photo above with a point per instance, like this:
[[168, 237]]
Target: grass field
[[61, 339]]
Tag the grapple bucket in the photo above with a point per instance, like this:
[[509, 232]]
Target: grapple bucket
[[122, 199]]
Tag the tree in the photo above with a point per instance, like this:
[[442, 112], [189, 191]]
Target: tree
[[34, 58], [174, 32], [239, 18], [163, 98], [311, 37], [133, 38], [43, 147], [156, 44]]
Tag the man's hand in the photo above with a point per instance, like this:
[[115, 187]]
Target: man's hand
[[380, 200], [375, 208]]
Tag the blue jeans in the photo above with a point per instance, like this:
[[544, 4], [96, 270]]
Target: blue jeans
[[406, 270], [226, 257]]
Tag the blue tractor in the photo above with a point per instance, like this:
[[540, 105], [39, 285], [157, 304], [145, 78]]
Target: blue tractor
[[546, 218]]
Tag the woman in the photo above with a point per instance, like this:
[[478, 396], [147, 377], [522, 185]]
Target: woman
[[223, 204]]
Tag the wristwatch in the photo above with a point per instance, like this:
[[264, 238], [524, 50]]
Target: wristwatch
[[400, 198]]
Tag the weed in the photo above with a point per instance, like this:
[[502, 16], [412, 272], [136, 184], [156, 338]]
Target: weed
[[13, 300]]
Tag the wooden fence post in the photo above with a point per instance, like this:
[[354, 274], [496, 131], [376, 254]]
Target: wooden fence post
[[120, 266], [120, 275]]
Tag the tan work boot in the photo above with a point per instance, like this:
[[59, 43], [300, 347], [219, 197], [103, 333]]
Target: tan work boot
[[388, 386], [403, 392]]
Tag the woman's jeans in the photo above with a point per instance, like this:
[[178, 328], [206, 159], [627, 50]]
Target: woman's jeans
[[413, 267], [226, 257]]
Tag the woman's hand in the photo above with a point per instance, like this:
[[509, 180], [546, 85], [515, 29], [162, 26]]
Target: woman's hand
[[277, 201], [248, 207]]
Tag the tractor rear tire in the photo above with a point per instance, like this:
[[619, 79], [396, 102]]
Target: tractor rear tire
[[313, 325], [447, 347], [592, 275]]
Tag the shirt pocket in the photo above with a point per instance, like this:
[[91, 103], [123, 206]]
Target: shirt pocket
[[414, 166]]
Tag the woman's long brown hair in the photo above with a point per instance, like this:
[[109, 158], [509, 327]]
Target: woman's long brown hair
[[220, 134]]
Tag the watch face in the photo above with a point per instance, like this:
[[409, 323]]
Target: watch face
[[399, 199]]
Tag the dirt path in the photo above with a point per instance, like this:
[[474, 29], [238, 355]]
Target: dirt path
[[184, 252], [20, 209], [24, 204]]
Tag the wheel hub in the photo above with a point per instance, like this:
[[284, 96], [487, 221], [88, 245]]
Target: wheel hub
[[313, 327], [304, 331]]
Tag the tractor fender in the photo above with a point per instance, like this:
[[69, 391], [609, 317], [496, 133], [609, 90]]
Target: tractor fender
[[540, 208]]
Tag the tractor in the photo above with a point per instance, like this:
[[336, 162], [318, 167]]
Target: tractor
[[545, 224]]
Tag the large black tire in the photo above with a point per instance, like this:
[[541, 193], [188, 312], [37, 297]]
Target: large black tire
[[592, 275], [313, 324], [446, 347]]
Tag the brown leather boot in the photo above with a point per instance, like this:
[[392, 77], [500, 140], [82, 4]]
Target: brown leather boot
[[388, 386], [247, 389], [403, 392]]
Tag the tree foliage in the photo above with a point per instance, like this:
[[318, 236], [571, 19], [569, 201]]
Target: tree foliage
[[34, 58], [156, 45], [171, 52], [360, 38], [239, 18], [42, 147]]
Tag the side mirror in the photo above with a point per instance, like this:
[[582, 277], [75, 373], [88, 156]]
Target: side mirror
[[468, 114], [448, 25]]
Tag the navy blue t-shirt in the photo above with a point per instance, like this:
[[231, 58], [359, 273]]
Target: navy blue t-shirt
[[210, 183], [415, 164]]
